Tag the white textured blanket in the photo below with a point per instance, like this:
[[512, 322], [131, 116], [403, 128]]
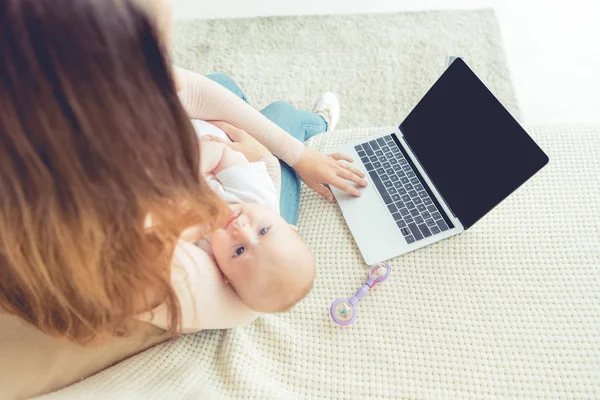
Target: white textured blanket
[[510, 308]]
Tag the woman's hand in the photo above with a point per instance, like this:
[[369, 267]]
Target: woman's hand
[[242, 142], [317, 170]]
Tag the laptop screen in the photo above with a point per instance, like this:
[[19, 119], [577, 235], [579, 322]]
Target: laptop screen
[[473, 150]]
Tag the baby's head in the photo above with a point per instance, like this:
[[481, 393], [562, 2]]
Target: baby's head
[[263, 258]]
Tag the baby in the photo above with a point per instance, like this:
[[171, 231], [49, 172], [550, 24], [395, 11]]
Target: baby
[[258, 252]]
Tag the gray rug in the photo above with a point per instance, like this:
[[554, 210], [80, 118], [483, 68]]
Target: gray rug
[[380, 65]]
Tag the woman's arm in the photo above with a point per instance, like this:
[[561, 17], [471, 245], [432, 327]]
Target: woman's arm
[[207, 100]]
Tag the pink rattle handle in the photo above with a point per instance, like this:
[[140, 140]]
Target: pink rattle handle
[[343, 311]]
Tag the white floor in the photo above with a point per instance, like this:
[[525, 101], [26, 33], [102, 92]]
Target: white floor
[[552, 46]]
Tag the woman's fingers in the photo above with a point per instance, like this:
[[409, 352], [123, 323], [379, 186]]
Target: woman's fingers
[[207, 138], [351, 169], [341, 156], [343, 184], [352, 177], [323, 191], [234, 133]]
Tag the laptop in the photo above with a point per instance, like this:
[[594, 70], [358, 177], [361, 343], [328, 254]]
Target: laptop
[[455, 157]]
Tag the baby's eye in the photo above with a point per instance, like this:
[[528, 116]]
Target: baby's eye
[[263, 231], [239, 251]]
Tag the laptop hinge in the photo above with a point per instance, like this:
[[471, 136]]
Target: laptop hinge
[[414, 155]]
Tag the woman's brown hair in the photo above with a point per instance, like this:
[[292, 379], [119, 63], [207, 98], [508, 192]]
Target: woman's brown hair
[[98, 167]]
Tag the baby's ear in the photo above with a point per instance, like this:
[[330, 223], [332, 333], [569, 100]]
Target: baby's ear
[[293, 227]]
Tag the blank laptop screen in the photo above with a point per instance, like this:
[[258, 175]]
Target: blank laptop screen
[[474, 151]]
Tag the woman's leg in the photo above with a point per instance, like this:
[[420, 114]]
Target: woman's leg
[[302, 125]]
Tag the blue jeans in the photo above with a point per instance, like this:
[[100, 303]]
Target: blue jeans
[[300, 124]]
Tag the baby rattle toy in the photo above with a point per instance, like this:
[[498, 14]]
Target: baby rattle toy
[[343, 311]]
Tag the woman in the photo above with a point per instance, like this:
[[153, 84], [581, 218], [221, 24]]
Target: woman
[[98, 179]]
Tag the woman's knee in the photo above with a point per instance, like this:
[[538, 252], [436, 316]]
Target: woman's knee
[[228, 83], [277, 109]]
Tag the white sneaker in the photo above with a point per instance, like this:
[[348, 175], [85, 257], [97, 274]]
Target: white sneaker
[[328, 107]]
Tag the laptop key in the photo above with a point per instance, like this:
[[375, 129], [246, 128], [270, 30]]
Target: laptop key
[[423, 194], [380, 188], [374, 144], [396, 197], [379, 153], [388, 139], [388, 184], [393, 161], [408, 219], [414, 181], [398, 185], [434, 230], [421, 208], [389, 171], [410, 204], [436, 215], [403, 161], [380, 171], [410, 174], [401, 173], [399, 205], [397, 167], [392, 208], [412, 193], [407, 168], [373, 158], [427, 201], [401, 224], [397, 217], [431, 208], [406, 198], [392, 190], [403, 211], [404, 180], [418, 187], [369, 166], [414, 212], [426, 215], [442, 225], [419, 220], [368, 149], [425, 230], [408, 186], [409, 239], [380, 141], [405, 231], [401, 190], [415, 231], [386, 165], [430, 222], [395, 149], [417, 200], [377, 164], [394, 178]]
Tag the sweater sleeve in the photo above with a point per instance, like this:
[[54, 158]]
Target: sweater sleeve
[[207, 100]]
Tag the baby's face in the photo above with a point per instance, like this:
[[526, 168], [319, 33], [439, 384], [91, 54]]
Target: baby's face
[[263, 257]]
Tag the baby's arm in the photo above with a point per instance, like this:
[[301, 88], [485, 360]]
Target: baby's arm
[[215, 157]]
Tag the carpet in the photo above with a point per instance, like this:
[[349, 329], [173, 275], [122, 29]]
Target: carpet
[[380, 65]]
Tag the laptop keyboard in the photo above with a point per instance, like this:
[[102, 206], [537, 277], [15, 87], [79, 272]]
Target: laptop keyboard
[[416, 214]]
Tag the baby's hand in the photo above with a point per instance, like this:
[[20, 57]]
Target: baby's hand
[[215, 157], [230, 158]]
